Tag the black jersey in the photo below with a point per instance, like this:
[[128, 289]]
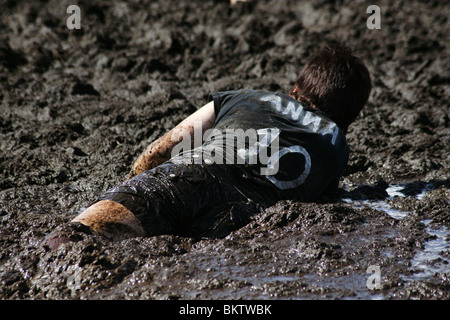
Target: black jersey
[[274, 145], [263, 147]]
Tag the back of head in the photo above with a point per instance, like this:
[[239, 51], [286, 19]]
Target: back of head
[[336, 82]]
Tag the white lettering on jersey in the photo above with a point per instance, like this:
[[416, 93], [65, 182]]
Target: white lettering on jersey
[[289, 184], [296, 112]]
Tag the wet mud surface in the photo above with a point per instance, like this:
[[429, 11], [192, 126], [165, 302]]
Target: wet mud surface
[[78, 107]]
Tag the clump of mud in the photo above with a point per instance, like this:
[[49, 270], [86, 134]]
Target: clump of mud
[[78, 106]]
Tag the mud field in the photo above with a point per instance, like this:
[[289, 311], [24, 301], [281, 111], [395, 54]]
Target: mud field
[[78, 107]]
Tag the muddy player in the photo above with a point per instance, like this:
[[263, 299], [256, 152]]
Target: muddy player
[[176, 193]]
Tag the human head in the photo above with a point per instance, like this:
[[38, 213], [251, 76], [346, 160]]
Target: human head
[[336, 82]]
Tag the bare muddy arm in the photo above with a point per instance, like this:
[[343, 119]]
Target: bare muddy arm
[[113, 220], [160, 150]]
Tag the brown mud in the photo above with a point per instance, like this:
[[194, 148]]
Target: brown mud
[[79, 106]]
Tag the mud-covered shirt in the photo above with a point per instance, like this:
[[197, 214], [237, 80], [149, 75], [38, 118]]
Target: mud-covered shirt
[[273, 146]]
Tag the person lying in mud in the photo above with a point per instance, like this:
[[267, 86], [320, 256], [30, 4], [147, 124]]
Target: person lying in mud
[[243, 151]]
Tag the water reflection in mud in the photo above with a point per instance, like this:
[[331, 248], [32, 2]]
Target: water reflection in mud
[[431, 259], [434, 257]]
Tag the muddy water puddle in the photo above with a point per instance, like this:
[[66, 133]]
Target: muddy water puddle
[[433, 258], [292, 264]]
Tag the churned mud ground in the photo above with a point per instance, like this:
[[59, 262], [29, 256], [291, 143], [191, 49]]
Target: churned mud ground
[[78, 106]]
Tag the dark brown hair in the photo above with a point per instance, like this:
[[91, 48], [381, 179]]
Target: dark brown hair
[[336, 82]]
